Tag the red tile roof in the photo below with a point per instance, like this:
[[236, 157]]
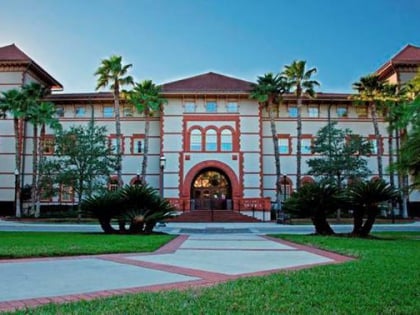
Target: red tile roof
[[11, 54], [207, 82], [409, 55]]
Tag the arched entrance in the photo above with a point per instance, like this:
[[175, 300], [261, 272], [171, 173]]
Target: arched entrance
[[211, 190]]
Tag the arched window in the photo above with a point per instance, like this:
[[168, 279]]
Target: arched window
[[226, 140], [211, 140], [195, 140]]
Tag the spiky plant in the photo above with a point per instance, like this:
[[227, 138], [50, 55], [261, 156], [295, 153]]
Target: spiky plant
[[136, 208], [365, 197], [143, 208], [104, 207], [316, 200]]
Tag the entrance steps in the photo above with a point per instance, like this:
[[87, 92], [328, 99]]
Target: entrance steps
[[213, 216]]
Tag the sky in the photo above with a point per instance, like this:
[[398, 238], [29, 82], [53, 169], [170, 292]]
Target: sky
[[166, 40]]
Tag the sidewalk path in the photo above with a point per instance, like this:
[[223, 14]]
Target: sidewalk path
[[189, 260], [204, 228]]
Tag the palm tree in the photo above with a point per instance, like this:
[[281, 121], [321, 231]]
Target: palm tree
[[370, 90], [268, 93], [113, 73], [45, 118], [147, 99], [364, 198], [300, 81], [12, 101], [33, 93]]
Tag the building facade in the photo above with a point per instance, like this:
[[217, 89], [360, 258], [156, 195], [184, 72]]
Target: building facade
[[216, 141]]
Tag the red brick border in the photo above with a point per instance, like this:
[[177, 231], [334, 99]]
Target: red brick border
[[206, 278]]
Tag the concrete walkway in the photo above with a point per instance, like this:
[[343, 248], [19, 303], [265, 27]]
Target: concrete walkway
[[188, 261]]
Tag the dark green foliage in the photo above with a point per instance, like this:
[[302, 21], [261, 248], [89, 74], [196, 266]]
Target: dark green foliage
[[139, 207], [364, 198], [339, 155], [317, 201], [82, 160]]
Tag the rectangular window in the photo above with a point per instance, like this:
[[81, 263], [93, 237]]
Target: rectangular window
[[284, 146], [313, 111], [374, 149], [108, 111], [361, 111], [342, 111], [306, 146], [66, 193], [113, 145], [80, 111], [232, 107], [293, 111], [59, 112], [211, 107], [48, 145], [189, 107], [128, 111], [137, 145]]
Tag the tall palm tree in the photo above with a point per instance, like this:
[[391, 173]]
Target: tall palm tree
[[113, 73], [147, 98], [45, 118], [300, 81], [12, 101], [268, 93], [370, 90], [391, 98], [33, 94]]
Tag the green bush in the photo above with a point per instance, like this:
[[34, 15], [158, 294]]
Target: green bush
[[317, 201], [137, 209], [366, 198]]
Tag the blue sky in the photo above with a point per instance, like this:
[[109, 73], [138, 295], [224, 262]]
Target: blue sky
[[171, 39]]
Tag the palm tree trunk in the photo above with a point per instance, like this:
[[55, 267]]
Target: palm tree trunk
[[299, 144], [18, 144], [373, 113], [391, 154], [38, 178], [118, 131], [357, 222], [146, 146], [276, 155], [34, 167], [391, 162], [367, 226]]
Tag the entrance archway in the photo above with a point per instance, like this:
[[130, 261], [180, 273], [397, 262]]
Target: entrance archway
[[211, 190], [227, 171]]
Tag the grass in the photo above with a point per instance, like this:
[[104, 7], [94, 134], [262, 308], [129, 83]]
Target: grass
[[47, 244], [384, 280]]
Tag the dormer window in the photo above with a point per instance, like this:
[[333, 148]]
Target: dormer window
[[232, 107], [211, 107], [80, 111], [189, 107]]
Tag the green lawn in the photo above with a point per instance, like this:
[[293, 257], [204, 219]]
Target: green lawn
[[46, 244], [384, 280]]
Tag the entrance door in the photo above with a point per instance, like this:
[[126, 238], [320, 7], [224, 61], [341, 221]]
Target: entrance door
[[211, 190]]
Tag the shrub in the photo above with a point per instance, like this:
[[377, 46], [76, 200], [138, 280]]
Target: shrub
[[138, 206], [316, 200], [364, 198]]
